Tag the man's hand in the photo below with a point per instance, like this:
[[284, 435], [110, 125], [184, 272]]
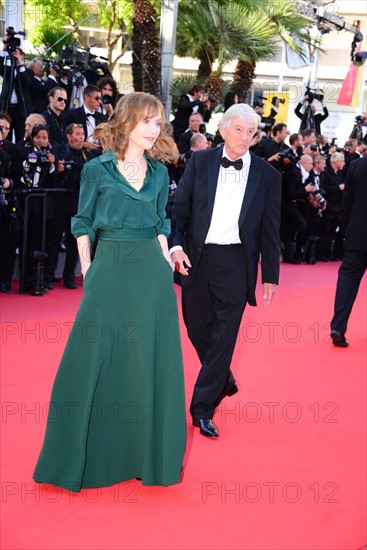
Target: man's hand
[[61, 166], [89, 145], [341, 186], [275, 158], [268, 293], [309, 188], [179, 257], [19, 57]]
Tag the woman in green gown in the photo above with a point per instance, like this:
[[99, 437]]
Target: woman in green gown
[[117, 410]]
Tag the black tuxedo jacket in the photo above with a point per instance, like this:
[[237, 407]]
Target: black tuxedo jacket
[[184, 110], [259, 218], [78, 116], [293, 187], [38, 92], [354, 206]]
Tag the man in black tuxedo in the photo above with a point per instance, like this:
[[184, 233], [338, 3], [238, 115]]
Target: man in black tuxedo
[[195, 101], [227, 212], [38, 90], [270, 149], [353, 267], [88, 115]]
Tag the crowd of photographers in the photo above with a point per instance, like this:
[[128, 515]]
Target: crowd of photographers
[[47, 122], [313, 170], [48, 114]]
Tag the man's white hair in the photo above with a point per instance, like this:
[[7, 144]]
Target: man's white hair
[[336, 156], [240, 110]]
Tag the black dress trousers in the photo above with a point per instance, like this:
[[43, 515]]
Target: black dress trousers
[[212, 308]]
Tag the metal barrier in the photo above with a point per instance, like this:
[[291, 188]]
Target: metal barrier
[[39, 256]]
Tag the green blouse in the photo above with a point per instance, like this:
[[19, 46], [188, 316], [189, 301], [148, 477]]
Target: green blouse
[[108, 201]]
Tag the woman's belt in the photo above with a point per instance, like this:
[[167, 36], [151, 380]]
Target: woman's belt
[[127, 234]]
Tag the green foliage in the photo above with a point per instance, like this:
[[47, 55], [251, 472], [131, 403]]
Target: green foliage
[[46, 37], [223, 30]]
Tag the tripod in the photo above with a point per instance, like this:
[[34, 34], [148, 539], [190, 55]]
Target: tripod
[[16, 110]]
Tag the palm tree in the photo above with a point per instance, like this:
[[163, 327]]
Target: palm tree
[[221, 30], [146, 64], [285, 26]]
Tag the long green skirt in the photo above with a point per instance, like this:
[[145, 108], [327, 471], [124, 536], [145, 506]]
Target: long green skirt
[[117, 410]]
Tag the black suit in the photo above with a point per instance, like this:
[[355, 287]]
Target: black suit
[[79, 116], [223, 277], [38, 93], [66, 206], [308, 120], [184, 110], [354, 223], [56, 126]]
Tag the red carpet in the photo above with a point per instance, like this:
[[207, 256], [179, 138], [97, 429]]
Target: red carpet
[[288, 471]]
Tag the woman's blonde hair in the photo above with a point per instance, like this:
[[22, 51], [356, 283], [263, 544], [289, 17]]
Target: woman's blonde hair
[[129, 111]]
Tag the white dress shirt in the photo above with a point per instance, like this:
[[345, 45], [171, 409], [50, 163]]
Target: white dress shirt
[[91, 123], [228, 201]]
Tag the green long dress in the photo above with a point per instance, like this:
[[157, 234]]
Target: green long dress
[[117, 409]]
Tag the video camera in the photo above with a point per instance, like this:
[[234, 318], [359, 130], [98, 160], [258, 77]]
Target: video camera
[[312, 95], [360, 120], [12, 43]]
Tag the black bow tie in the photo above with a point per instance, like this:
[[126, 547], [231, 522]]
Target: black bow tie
[[91, 114], [237, 164]]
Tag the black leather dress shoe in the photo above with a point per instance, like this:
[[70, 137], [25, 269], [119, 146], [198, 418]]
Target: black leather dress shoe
[[207, 427], [339, 339], [70, 284]]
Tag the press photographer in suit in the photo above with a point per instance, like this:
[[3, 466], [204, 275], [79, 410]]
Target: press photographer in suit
[[227, 212], [72, 157], [353, 267], [195, 101], [15, 96]]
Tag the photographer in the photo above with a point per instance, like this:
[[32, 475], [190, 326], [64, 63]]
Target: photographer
[[309, 142], [9, 225], [15, 96], [110, 95], [8, 146], [35, 169], [359, 131], [334, 187], [72, 157], [295, 196], [309, 118], [196, 126], [195, 101], [270, 149]]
